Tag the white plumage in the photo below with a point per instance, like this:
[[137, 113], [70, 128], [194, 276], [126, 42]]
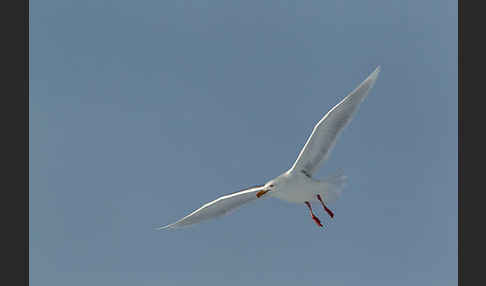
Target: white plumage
[[297, 185]]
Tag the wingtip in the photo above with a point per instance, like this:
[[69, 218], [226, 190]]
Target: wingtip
[[375, 73], [373, 76], [163, 227]]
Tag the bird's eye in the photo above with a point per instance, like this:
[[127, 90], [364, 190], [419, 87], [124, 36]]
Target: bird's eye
[[271, 186]]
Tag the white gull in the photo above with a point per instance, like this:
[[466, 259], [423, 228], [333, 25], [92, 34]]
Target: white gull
[[297, 185]]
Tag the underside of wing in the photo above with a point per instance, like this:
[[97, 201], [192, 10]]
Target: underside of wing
[[218, 207], [325, 133]]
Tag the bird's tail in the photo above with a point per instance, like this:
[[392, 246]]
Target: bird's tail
[[334, 185]]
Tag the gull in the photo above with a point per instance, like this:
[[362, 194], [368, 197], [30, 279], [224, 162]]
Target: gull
[[297, 184]]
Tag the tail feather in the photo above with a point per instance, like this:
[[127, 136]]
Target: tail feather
[[334, 186], [338, 179]]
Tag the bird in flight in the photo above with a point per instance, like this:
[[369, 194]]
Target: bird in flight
[[297, 185]]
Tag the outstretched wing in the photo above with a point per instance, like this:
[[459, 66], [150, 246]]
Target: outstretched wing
[[326, 131], [218, 207]]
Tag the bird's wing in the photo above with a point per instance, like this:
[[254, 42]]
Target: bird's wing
[[218, 207], [326, 131]]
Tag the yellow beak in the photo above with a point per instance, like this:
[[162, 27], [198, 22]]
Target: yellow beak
[[261, 193]]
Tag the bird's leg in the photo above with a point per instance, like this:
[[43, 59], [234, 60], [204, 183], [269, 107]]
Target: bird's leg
[[331, 214], [318, 222]]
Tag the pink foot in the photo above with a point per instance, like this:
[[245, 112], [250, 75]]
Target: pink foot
[[331, 214], [316, 219]]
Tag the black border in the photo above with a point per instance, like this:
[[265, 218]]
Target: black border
[[471, 105], [15, 142]]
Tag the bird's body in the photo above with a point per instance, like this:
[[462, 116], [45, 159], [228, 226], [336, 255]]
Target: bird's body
[[297, 185]]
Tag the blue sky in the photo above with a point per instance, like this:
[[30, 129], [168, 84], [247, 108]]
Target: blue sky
[[140, 111]]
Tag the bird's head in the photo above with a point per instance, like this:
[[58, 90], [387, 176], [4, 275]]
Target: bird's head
[[270, 186]]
